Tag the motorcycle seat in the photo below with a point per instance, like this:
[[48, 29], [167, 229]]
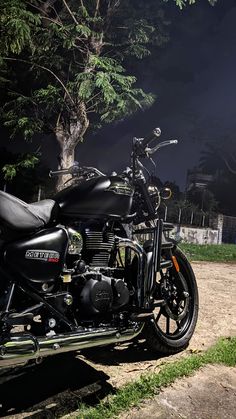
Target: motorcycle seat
[[20, 216]]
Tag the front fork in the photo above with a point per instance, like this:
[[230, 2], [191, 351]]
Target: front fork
[[154, 250]]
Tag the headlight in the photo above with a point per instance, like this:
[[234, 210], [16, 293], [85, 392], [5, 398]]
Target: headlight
[[75, 242]]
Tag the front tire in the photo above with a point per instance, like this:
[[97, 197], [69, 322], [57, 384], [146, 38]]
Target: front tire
[[171, 329]]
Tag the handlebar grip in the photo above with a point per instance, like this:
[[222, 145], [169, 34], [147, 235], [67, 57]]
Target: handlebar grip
[[152, 136], [53, 173]]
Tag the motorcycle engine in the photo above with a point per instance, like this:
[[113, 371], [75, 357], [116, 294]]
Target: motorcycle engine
[[96, 288], [101, 294]]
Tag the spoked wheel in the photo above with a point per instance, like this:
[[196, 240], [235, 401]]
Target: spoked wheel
[[176, 313]]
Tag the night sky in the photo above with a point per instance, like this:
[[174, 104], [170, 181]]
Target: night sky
[[194, 79]]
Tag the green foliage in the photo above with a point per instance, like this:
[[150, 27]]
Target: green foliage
[[27, 161], [182, 3], [72, 55], [68, 60], [17, 25]]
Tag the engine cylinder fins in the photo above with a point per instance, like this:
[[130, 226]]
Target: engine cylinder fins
[[100, 259], [98, 246], [97, 240]]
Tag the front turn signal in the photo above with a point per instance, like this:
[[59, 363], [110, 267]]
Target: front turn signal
[[176, 265]]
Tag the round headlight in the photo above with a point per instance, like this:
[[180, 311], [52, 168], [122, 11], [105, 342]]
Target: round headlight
[[75, 242]]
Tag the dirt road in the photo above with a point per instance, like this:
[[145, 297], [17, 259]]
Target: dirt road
[[55, 388]]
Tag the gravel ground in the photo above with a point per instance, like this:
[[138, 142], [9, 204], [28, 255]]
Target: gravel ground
[[54, 388]]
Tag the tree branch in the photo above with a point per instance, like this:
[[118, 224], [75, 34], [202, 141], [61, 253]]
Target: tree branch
[[97, 8], [229, 166], [70, 12], [46, 69], [57, 22], [111, 9], [46, 5]]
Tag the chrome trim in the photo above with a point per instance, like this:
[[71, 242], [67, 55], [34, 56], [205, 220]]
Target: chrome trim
[[21, 348], [142, 277]]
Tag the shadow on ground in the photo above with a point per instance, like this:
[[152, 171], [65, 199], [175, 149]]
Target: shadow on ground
[[135, 351], [57, 386]]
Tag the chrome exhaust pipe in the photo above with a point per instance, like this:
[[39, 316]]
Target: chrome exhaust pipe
[[21, 348]]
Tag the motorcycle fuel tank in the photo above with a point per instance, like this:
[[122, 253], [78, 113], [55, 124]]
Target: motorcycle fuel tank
[[40, 257], [99, 198]]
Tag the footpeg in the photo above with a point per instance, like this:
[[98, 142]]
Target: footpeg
[[18, 319], [141, 317]]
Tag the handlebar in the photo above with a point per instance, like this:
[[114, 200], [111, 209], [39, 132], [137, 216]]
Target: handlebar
[[75, 170], [54, 173], [150, 137], [150, 151], [140, 149], [141, 145]]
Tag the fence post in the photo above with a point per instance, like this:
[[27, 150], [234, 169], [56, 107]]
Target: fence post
[[191, 219], [180, 213], [203, 220], [39, 193], [217, 223]]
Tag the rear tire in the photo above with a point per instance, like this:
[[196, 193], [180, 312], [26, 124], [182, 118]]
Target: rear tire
[[170, 342]]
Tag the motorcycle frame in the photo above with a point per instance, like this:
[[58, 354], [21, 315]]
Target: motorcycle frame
[[145, 275]]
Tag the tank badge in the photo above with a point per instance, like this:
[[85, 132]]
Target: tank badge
[[44, 255], [121, 189]]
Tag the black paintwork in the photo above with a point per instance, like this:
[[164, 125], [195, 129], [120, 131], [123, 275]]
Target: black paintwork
[[94, 199], [36, 269]]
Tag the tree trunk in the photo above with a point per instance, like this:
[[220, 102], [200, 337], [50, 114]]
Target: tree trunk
[[66, 160], [68, 136]]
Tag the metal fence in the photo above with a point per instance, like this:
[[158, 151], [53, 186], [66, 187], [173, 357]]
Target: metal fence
[[184, 215], [229, 229]]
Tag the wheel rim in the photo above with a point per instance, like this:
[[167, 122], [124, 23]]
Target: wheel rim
[[173, 317]]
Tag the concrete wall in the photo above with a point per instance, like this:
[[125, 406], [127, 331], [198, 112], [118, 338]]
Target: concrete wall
[[196, 235], [201, 235]]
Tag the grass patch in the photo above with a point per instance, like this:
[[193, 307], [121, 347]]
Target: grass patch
[[210, 252], [132, 394]]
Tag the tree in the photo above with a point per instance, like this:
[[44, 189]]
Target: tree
[[182, 3], [64, 64], [203, 198], [74, 63], [22, 175], [219, 158]]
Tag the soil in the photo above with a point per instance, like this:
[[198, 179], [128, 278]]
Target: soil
[[54, 388], [209, 394]]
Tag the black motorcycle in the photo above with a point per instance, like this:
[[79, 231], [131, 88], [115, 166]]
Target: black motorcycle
[[75, 273]]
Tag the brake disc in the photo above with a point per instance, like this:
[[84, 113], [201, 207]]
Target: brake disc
[[176, 296]]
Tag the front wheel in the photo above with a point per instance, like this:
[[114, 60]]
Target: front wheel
[[175, 319]]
